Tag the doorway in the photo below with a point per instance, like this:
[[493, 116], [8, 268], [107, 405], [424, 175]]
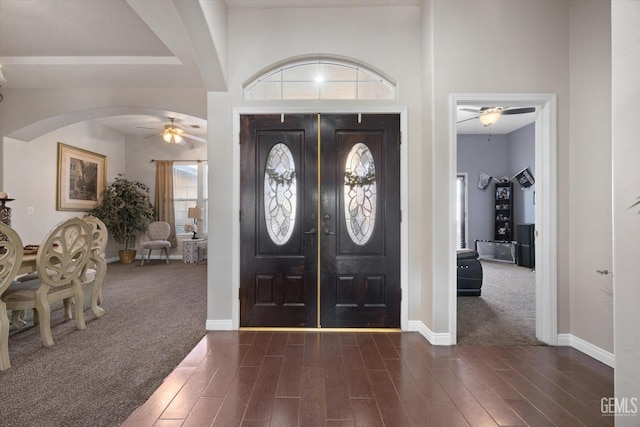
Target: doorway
[[503, 310], [320, 220], [545, 207]]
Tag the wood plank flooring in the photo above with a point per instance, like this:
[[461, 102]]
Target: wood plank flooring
[[278, 379]]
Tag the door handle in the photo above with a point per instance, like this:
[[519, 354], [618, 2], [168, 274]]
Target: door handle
[[329, 233], [312, 231], [603, 272]]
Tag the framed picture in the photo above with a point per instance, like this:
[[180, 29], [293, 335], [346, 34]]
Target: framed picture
[[82, 178]]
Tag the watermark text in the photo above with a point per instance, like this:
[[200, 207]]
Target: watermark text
[[619, 406]]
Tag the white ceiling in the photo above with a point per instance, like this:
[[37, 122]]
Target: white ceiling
[[145, 125], [125, 44], [270, 4], [505, 125]]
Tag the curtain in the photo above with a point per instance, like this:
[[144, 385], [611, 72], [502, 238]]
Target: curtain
[[164, 196]]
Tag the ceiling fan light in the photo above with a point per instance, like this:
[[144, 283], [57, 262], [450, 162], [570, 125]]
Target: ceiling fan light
[[489, 117], [172, 134]]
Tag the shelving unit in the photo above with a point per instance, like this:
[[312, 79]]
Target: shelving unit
[[504, 211]]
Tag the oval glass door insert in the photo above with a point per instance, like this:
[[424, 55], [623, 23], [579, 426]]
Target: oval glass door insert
[[280, 194], [360, 194]]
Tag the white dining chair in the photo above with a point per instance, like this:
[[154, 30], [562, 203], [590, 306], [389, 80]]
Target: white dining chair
[[11, 252], [61, 260], [97, 265]]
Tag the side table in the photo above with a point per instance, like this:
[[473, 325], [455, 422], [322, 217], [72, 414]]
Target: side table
[[190, 251]]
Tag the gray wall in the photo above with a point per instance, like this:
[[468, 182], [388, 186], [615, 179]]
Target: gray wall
[[498, 156], [488, 154], [520, 155]]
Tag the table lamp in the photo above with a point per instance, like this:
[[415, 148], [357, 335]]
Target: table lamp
[[195, 214]]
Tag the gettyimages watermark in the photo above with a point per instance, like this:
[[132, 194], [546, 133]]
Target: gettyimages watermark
[[619, 406]]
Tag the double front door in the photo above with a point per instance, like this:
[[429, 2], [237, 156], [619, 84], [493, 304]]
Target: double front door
[[320, 221]]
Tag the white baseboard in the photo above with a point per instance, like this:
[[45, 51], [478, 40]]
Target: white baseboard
[[139, 257], [434, 338], [587, 348], [219, 325]]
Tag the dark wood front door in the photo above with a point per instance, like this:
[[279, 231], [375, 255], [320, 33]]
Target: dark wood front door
[[320, 221], [360, 207]]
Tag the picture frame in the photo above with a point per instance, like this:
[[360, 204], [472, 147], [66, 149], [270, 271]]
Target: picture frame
[[81, 180]]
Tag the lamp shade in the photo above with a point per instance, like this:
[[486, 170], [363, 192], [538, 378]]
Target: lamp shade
[[490, 117], [195, 213], [172, 134], [172, 138]]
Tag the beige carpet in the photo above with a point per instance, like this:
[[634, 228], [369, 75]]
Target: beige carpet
[[505, 313], [97, 377]]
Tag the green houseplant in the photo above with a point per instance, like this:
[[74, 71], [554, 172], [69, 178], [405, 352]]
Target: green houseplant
[[126, 210]]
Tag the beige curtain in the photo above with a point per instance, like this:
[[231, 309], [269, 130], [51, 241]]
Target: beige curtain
[[164, 196]]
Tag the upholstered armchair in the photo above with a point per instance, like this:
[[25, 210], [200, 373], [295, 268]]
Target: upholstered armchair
[[157, 238]]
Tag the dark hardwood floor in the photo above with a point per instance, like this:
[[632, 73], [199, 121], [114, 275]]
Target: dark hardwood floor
[[245, 378]]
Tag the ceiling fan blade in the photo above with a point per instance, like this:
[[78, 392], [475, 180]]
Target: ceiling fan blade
[[142, 127], [155, 134], [195, 138], [470, 110], [466, 120], [523, 110]]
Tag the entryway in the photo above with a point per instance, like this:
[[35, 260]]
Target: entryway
[[320, 220], [545, 207]]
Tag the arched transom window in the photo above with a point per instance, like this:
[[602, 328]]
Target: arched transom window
[[320, 79]]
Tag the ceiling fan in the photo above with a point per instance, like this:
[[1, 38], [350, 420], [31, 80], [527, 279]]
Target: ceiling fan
[[490, 115], [173, 134]]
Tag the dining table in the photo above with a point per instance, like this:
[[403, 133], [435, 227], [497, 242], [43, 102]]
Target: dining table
[[28, 264]]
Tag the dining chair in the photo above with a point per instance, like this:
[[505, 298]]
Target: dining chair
[[61, 260], [97, 266], [10, 259], [157, 235]]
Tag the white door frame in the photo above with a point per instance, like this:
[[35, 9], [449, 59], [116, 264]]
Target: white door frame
[[404, 191], [545, 205]]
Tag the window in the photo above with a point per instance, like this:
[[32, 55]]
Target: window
[[320, 79], [190, 190], [461, 211]]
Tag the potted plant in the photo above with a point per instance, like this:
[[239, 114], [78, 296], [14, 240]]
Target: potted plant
[[125, 210]]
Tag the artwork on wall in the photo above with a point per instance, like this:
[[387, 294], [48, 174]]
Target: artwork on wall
[[81, 178], [484, 180], [525, 178]]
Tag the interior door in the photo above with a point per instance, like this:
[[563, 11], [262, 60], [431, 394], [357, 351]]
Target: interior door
[[320, 221]]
